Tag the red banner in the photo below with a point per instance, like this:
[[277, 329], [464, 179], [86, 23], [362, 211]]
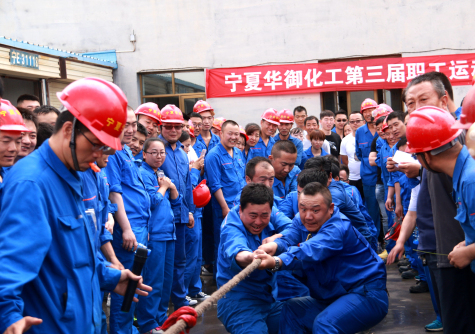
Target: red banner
[[370, 74]]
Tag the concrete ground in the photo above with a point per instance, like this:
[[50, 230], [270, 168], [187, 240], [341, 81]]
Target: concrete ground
[[408, 313]]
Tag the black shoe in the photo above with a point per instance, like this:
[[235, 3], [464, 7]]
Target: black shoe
[[402, 263], [420, 287], [409, 274], [404, 268]]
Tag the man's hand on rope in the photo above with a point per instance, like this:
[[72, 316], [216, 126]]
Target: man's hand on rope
[[268, 262], [270, 248], [271, 239]]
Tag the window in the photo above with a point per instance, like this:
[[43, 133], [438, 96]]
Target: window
[[182, 89], [351, 101]]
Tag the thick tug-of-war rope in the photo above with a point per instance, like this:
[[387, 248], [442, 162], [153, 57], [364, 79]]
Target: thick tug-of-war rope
[[185, 319]]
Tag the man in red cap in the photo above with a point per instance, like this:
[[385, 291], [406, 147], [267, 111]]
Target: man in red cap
[[51, 277], [148, 114], [269, 123], [286, 121]]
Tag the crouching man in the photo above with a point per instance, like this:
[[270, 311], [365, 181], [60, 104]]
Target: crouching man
[[347, 281], [251, 307]]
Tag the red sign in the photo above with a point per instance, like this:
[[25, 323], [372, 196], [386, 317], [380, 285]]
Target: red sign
[[383, 73]]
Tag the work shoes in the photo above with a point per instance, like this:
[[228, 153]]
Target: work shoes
[[404, 268], [403, 263], [420, 287], [409, 274], [434, 326], [200, 296], [191, 302], [206, 272]]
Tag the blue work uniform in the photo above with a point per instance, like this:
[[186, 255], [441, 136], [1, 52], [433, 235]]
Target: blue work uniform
[[226, 173], [212, 143], [48, 255], [251, 306], [290, 205], [384, 151], [124, 178], [261, 149], [464, 196], [347, 280], [369, 174], [158, 270], [176, 167], [298, 144], [290, 183], [307, 154]]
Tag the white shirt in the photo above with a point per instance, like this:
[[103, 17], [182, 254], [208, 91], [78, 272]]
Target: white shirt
[[307, 143], [414, 195], [347, 148], [192, 155]]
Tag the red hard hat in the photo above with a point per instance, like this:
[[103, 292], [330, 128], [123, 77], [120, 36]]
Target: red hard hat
[[10, 118], [393, 232], [429, 128], [270, 115], [191, 128], [171, 114], [100, 106], [241, 131], [367, 104], [201, 195], [467, 118], [385, 124], [218, 122], [201, 106], [382, 110], [286, 116], [149, 109]]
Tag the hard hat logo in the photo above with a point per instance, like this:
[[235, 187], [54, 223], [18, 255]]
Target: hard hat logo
[[11, 119]]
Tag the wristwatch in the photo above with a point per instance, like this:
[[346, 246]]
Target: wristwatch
[[278, 264]]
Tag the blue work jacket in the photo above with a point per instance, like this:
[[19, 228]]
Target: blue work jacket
[[290, 205], [260, 149], [225, 173], [298, 143], [336, 260], [349, 209], [307, 154], [215, 140], [124, 178], [47, 249], [364, 138], [290, 183], [384, 151], [464, 195], [160, 226], [177, 168], [235, 238]]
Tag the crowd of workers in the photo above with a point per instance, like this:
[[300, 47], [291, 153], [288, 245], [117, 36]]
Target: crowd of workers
[[323, 202]]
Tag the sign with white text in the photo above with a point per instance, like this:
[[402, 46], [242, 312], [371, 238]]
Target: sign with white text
[[24, 59]]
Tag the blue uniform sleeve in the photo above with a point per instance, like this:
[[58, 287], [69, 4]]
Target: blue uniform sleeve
[[25, 238], [113, 171], [213, 170], [189, 194], [393, 178], [279, 220], [286, 207], [176, 203], [298, 143], [112, 207], [293, 183], [195, 177], [290, 237], [108, 277], [105, 236], [358, 151], [232, 242], [152, 188], [379, 159]]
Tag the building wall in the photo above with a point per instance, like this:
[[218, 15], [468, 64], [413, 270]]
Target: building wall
[[208, 33]]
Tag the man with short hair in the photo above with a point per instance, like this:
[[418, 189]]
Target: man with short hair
[[283, 157], [351, 296], [138, 139], [286, 121], [28, 101], [269, 123], [148, 114], [341, 118], [225, 170], [344, 174], [300, 114], [28, 139], [197, 122], [47, 114], [251, 307], [327, 118]]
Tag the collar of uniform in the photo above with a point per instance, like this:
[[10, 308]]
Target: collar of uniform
[[223, 151], [128, 152], [295, 170], [459, 165], [69, 176], [177, 147], [147, 167]]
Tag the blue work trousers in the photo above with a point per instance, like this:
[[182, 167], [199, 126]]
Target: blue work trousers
[[120, 322], [372, 205], [178, 286], [289, 287], [158, 273], [217, 221], [193, 259], [241, 314], [413, 257], [349, 314], [432, 293]]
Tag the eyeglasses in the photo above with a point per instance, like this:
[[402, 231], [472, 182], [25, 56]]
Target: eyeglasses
[[155, 154], [171, 127], [341, 120], [344, 180], [355, 122], [197, 125], [95, 147]]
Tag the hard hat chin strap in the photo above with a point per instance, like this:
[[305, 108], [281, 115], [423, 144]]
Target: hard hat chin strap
[[72, 145]]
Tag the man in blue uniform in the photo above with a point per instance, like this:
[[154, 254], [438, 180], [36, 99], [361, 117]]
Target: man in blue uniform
[[251, 307], [148, 115], [50, 273], [347, 280], [369, 174], [136, 144], [225, 170], [269, 123], [127, 190], [286, 121], [284, 155], [176, 167]]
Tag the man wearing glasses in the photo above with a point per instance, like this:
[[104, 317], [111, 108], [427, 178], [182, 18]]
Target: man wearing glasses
[[347, 151], [340, 120]]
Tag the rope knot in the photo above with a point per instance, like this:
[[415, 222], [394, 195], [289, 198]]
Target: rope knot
[[185, 313]]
